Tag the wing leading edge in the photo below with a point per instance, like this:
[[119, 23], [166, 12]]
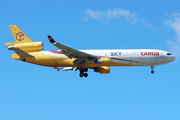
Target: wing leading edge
[[72, 53]]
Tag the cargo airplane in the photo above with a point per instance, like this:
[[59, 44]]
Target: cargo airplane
[[71, 59]]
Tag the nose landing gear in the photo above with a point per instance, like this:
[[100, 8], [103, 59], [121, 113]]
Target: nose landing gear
[[152, 71]]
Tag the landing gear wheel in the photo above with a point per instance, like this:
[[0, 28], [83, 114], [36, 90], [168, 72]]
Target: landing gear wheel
[[152, 71], [81, 71], [85, 74], [81, 75]]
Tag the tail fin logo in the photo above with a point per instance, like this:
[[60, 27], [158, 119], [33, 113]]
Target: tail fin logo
[[19, 36]]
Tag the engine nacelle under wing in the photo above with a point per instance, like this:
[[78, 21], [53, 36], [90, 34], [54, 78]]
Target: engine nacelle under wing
[[103, 61], [102, 70]]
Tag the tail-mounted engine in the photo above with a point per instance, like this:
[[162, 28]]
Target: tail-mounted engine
[[30, 47], [103, 61], [102, 70]]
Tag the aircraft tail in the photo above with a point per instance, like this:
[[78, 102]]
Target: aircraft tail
[[19, 35], [23, 42]]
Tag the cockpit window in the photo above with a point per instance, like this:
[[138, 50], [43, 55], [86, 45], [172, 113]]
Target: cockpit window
[[169, 54]]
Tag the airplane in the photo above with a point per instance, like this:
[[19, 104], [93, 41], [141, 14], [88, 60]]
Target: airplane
[[71, 59]]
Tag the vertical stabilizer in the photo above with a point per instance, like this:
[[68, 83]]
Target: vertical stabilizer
[[19, 35]]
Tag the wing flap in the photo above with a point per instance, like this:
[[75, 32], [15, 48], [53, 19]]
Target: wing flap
[[65, 68]]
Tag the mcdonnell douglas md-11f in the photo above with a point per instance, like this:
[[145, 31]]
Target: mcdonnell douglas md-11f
[[71, 59]]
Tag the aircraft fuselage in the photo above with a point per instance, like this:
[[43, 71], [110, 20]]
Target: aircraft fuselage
[[132, 57]]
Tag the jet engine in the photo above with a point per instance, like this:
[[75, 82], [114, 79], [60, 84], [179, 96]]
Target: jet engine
[[30, 47], [102, 70], [103, 61]]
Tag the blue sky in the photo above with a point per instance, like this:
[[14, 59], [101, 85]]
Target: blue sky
[[32, 92]]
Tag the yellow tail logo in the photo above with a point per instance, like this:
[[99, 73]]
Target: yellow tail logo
[[19, 35]]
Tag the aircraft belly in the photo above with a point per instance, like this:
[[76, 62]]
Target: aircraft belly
[[124, 60], [137, 61], [147, 61]]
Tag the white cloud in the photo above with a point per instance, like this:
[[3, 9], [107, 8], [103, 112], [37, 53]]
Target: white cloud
[[93, 15], [174, 23], [131, 17], [175, 48]]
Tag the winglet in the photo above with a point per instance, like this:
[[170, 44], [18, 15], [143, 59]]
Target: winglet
[[51, 39]]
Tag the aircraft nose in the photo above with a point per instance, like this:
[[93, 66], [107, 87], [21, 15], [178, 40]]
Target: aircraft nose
[[172, 58]]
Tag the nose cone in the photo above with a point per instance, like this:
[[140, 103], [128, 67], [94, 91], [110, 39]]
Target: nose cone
[[171, 58]]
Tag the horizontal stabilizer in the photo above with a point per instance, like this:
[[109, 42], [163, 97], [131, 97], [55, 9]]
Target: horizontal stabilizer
[[20, 52]]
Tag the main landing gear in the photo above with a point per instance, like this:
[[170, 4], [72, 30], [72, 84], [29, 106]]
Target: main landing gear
[[152, 71], [82, 70]]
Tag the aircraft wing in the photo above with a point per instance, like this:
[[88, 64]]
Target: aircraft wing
[[72, 53]]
